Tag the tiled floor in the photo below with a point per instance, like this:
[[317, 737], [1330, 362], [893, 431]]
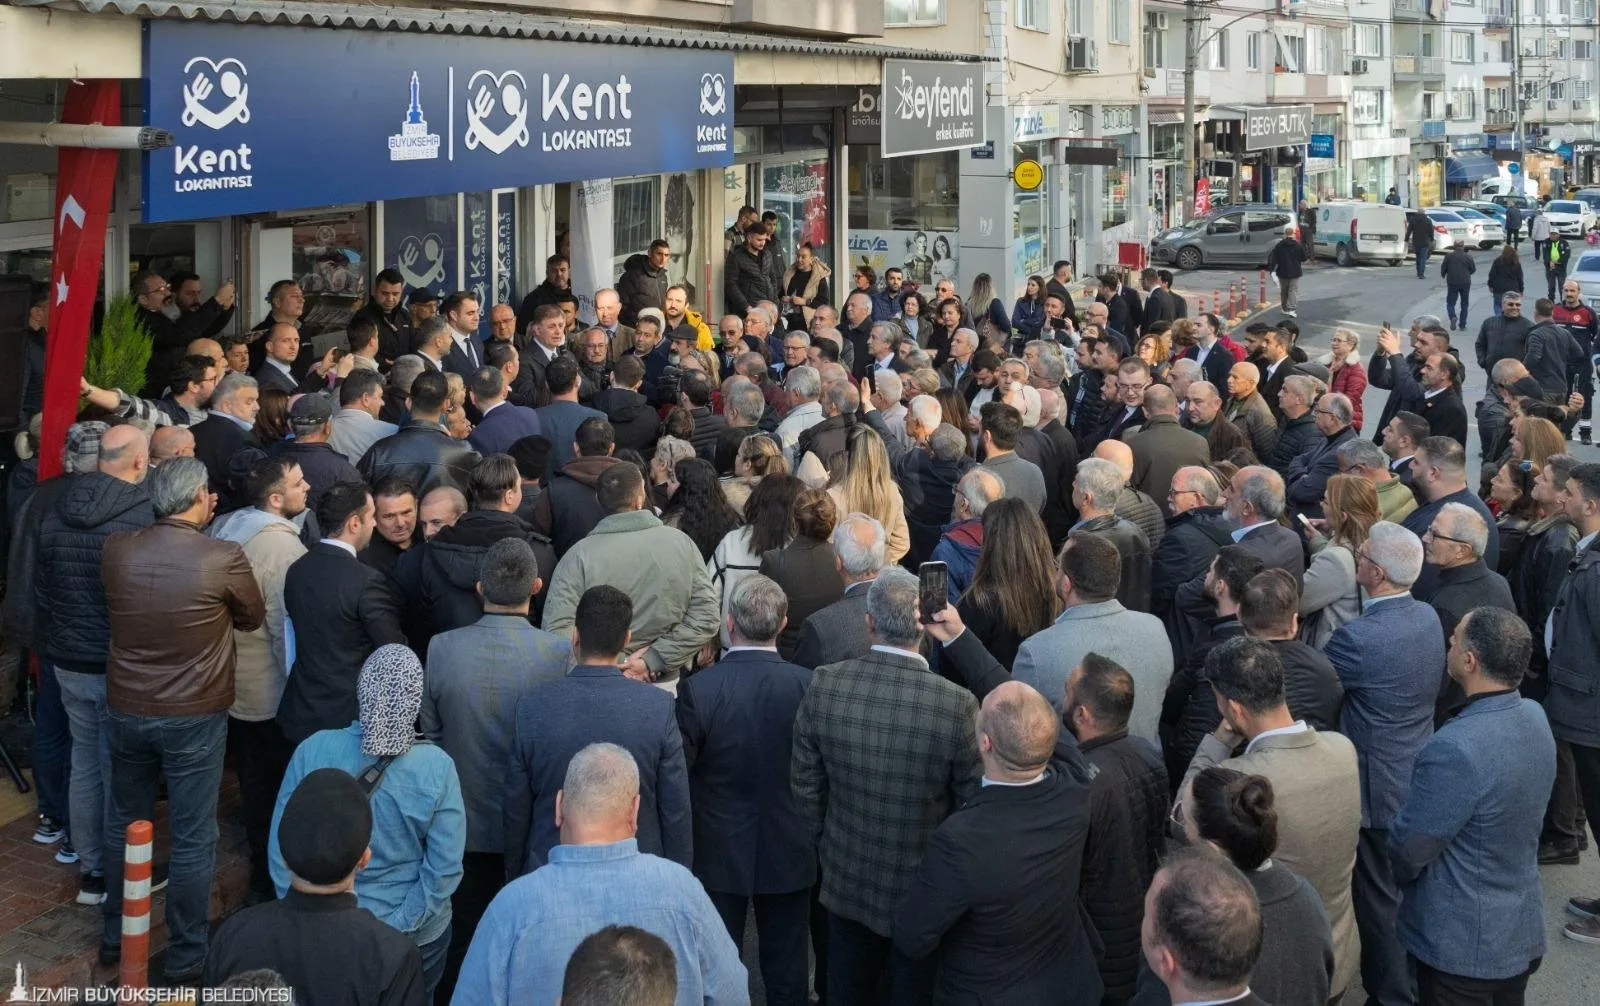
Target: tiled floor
[[55, 939]]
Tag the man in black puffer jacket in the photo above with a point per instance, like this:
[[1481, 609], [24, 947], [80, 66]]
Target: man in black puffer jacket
[[1268, 610], [448, 573], [1189, 710], [568, 510], [1197, 529], [73, 625]]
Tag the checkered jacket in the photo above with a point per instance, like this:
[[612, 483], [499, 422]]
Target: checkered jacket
[[884, 750]]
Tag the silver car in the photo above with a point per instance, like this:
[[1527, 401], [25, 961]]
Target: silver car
[[1491, 231], [1229, 235], [1449, 227], [1587, 272]]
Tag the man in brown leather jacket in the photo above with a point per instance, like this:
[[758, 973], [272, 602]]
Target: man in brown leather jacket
[[174, 597]]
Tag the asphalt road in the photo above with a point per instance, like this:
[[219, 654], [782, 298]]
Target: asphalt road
[[1362, 298]]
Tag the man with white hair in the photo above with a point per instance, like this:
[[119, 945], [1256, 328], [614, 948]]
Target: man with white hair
[[520, 950], [1195, 533], [804, 388], [839, 631], [1439, 476], [1364, 458], [1307, 475], [962, 539], [876, 806], [840, 402], [887, 387], [857, 326], [1094, 494], [957, 371], [1131, 504], [1454, 542], [737, 718], [1390, 661], [926, 471], [1180, 376]]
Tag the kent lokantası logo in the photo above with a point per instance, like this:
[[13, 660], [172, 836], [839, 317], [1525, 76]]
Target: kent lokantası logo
[[216, 95], [712, 138], [497, 112]]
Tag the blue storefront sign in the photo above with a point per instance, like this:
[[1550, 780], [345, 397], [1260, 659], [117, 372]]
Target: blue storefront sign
[[287, 118], [1320, 145]]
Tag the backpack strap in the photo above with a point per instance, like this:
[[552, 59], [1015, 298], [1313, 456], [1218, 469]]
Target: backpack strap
[[369, 779]]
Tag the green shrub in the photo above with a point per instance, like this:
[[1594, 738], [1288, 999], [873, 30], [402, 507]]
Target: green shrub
[[120, 351]]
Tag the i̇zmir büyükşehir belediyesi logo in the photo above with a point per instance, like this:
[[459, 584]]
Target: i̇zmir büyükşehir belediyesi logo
[[414, 142], [216, 94]]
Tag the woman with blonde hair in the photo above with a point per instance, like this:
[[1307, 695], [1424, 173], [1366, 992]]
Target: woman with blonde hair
[[1534, 439], [866, 485], [1156, 351], [455, 408], [1329, 596], [758, 456], [1346, 373], [989, 316]]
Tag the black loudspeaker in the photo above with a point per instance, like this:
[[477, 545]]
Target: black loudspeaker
[[15, 294]]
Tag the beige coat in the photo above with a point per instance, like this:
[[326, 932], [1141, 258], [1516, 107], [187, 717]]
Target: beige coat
[[1317, 793], [895, 527], [819, 273], [260, 658]]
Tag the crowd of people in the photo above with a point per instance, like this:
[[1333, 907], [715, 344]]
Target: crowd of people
[[548, 664]]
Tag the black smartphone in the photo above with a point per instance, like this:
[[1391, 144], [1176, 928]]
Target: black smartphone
[[933, 589]]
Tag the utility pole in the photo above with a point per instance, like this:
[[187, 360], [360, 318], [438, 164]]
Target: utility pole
[[1516, 94], [1191, 20]]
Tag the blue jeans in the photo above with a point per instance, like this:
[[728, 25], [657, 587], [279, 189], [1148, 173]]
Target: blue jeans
[[434, 953], [188, 751], [52, 749], [84, 697], [1453, 295], [1422, 260]]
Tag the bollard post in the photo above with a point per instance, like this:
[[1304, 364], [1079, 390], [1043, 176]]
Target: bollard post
[[137, 862], [1216, 301], [1262, 304], [1244, 296], [1233, 303]]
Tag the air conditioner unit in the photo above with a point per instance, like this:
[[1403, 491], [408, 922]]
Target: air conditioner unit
[[1358, 65], [1161, 22], [1082, 54]]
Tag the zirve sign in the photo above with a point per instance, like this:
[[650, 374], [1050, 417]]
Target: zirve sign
[[286, 118]]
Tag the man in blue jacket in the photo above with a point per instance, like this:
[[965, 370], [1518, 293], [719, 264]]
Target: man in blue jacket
[[1390, 661], [962, 540], [1474, 810]]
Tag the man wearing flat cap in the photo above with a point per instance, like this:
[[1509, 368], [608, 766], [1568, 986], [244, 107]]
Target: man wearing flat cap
[[325, 947]]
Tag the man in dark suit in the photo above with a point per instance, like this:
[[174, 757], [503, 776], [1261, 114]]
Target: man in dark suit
[[1203, 934], [461, 311], [546, 340], [750, 842], [595, 703], [1127, 415], [277, 370], [224, 432], [339, 610], [839, 631], [1399, 439], [1475, 808], [875, 807], [502, 423], [1276, 366], [1441, 402], [1007, 922], [1306, 477], [1389, 661], [1160, 303]]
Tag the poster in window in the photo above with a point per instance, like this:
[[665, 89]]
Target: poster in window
[[478, 262], [419, 238], [505, 249], [925, 256]]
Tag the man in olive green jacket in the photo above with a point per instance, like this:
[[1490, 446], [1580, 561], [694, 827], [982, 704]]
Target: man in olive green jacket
[[675, 609]]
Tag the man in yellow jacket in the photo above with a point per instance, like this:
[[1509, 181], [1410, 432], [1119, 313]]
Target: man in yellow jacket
[[679, 314]]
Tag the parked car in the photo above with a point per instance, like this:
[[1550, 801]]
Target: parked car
[[1491, 232], [1450, 227], [1242, 234], [1351, 232], [1587, 272], [1522, 202], [1588, 195], [1488, 209], [1569, 218]]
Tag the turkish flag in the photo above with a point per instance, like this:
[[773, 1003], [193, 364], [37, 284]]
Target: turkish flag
[[84, 182]]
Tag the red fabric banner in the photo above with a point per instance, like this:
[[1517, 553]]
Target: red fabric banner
[[84, 183]]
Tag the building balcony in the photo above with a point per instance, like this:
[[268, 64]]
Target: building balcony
[[1412, 68], [1499, 117], [1411, 10], [1328, 85], [1165, 82], [1286, 85]]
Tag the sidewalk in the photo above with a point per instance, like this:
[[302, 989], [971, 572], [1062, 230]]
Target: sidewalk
[[57, 940]]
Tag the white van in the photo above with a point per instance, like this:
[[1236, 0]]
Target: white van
[[1352, 232]]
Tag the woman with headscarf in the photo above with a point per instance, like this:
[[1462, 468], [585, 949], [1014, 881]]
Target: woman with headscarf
[[419, 823]]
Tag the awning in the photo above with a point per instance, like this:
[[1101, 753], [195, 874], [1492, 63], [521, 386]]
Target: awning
[[1169, 116], [1469, 166], [510, 24]]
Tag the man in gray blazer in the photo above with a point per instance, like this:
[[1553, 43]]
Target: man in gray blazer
[[474, 677], [1316, 789], [1088, 574], [1475, 809], [839, 631]]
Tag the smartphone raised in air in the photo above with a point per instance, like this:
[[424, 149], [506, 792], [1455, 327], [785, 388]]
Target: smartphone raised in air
[[933, 589]]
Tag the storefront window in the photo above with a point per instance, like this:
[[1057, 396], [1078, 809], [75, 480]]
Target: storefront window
[[904, 212], [797, 191], [329, 256], [1116, 194], [1030, 217], [636, 217]]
